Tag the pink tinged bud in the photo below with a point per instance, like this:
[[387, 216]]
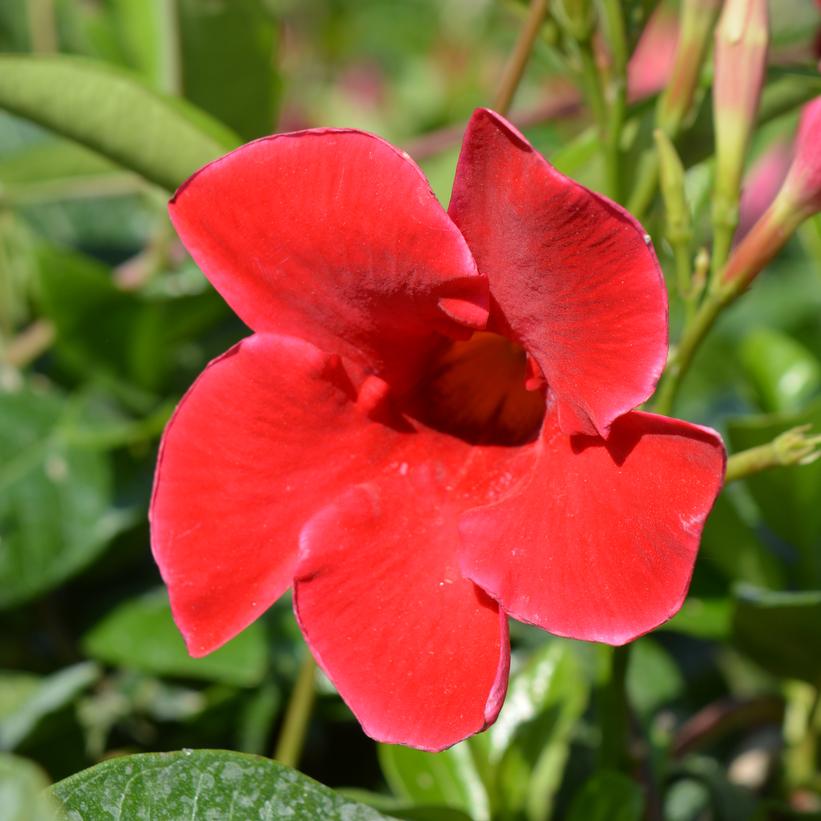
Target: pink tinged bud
[[697, 18], [799, 198], [761, 184], [742, 38], [651, 65]]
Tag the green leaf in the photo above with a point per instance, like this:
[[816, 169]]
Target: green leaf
[[779, 630], [608, 796], [787, 497], [529, 743], [653, 678], [228, 49], [22, 796], [200, 785], [111, 112], [783, 373], [51, 694], [141, 635], [703, 618], [450, 778], [55, 495]]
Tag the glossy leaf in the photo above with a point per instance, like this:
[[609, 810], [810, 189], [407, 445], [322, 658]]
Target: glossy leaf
[[787, 497], [22, 796], [52, 693], [529, 743], [783, 373], [450, 778], [201, 785], [608, 796], [112, 113], [55, 495], [779, 630], [141, 635]]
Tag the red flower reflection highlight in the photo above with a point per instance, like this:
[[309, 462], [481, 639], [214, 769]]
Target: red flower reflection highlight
[[430, 427]]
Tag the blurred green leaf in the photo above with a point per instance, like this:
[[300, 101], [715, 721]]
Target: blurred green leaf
[[22, 796], [51, 694], [109, 111], [450, 778], [529, 743], [780, 631], [608, 796], [15, 689], [200, 785], [703, 618], [228, 50], [140, 634], [402, 809], [787, 497], [55, 496], [782, 372], [653, 678], [732, 548], [729, 801]]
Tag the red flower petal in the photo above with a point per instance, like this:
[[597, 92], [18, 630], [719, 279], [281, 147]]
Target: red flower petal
[[573, 274], [599, 544], [255, 448], [333, 236], [419, 653]]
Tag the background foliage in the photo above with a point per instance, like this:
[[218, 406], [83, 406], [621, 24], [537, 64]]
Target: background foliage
[[104, 322]]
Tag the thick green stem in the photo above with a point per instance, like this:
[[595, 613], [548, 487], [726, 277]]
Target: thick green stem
[[614, 711], [515, 68], [292, 736]]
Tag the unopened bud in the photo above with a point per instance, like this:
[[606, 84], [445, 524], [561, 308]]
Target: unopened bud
[[698, 18], [742, 38], [679, 221], [799, 198]]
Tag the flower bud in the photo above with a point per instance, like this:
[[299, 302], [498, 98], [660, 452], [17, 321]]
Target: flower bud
[[740, 58], [697, 20], [799, 198]]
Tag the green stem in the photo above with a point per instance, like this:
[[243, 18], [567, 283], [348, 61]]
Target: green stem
[[793, 447], [515, 68], [298, 713], [614, 711], [42, 26], [591, 84], [617, 36], [646, 185]]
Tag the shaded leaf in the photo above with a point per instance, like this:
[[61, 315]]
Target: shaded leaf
[[653, 679], [109, 111], [608, 796], [141, 635], [780, 631], [201, 785], [22, 796]]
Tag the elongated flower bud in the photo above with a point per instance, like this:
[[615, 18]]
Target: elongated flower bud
[[697, 20], [799, 198], [742, 38]]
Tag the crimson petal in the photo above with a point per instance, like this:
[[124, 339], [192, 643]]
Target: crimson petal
[[260, 441], [419, 653], [599, 543], [334, 236], [573, 274]]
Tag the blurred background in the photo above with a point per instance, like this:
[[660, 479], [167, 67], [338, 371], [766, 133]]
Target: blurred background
[[105, 322]]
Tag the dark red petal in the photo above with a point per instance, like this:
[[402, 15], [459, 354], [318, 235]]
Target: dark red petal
[[419, 653], [599, 543], [255, 448], [333, 236], [573, 274]]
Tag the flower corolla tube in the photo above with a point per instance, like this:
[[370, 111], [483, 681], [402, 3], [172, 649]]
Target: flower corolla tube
[[431, 427]]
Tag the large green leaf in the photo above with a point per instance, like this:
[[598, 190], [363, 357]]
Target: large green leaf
[[111, 112], [780, 631], [22, 796], [653, 679], [200, 785], [228, 48], [529, 743], [140, 634], [51, 694], [449, 778], [787, 497], [55, 495]]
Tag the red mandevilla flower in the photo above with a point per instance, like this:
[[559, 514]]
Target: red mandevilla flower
[[421, 449]]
